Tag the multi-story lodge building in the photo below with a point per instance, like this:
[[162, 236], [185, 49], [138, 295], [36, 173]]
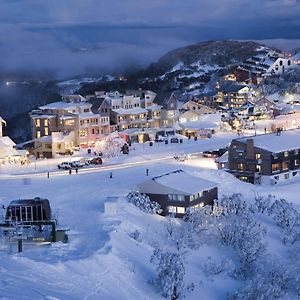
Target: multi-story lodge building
[[68, 117], [266, 62], [265, 158], [232, 95], [134, 109]]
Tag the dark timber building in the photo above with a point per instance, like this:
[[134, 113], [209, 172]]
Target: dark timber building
[[177, 191], [265, 158]]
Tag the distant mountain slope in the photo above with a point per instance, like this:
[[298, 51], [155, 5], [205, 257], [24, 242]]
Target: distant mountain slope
[[221, 53]]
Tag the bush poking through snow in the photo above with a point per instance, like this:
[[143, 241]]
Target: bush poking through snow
[[262, 203], [272, 280], [288, 218], [144, 203], [237, 227], [170, 273], [234, 204]]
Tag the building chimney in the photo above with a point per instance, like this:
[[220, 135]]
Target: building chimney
[[250, 149]]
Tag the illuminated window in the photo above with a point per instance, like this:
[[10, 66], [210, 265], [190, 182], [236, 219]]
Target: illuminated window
[[257, 156], [46, 131], [176, 209], [197, 206], [286, 153], [241, 166], [296, 162], [275, 167], [71, 122], [38, 123], [172, 209], [180, 210], [45, 122], [285, 165], [38, 134], [82, 133]]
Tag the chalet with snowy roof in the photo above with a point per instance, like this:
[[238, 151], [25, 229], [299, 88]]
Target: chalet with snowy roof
[[194, 124], [267, 106], [266, 158], [50, 146], [196, 107], [179, 191], [134, 109]]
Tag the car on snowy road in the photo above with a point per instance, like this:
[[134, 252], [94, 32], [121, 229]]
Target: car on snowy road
[[66, 165], [96, 161]]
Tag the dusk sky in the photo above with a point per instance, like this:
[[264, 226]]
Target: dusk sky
[[73, 36]]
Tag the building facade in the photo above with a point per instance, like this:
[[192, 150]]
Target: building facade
[[178, 191], [265, 158]]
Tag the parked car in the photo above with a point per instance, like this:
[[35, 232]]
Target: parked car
[[78, 164], [161, 138], [96, 161], [174, 140], [66, 165]]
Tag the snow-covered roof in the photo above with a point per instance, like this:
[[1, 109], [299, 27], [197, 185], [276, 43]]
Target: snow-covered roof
[[209, 121], [87, 115], [44, 139], [177, 182], [64, 117], [2, 120], [42, 116], [64, 105], [223, 158], [285, 141], [55, 137], [130, 111], [270, 61], [154, 107], [6, 141]]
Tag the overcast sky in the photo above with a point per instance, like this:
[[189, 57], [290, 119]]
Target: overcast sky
[[74, 36]]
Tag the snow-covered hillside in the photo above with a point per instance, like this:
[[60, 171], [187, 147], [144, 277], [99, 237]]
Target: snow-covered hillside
[[108, 257]]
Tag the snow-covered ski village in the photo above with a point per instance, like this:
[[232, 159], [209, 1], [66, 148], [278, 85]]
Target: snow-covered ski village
[[176, 178]]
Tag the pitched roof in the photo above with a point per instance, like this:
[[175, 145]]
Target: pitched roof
[[6, 141], [176, 182], [162, 98], [96, 103], [285, 141], [232, 87]]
